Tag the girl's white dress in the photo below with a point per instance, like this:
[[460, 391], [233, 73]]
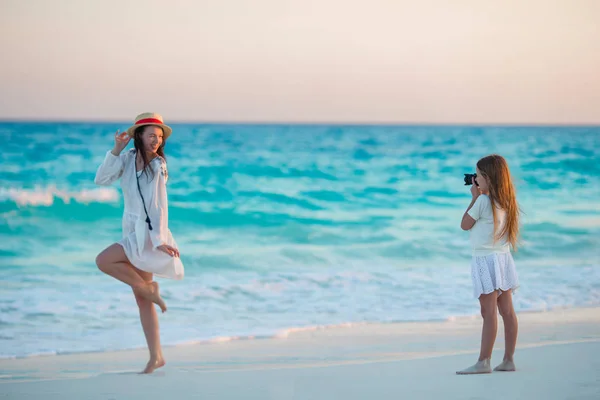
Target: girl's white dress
[[139, 242], [492, 264]]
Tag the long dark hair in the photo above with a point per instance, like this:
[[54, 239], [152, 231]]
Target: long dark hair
[[139, 148]]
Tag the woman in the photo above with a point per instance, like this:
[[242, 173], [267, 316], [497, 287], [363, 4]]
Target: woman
[[147, 247]]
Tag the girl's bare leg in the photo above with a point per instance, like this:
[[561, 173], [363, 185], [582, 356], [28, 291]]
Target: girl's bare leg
[[511, 329], [488, 303]]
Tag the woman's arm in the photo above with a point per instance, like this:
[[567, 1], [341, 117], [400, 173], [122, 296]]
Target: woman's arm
[[158, 209], [111, 168]]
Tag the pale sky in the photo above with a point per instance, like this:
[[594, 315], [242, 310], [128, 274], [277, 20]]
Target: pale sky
[[371, 61]]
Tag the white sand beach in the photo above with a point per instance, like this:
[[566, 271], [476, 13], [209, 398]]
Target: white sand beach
[[558, 357]]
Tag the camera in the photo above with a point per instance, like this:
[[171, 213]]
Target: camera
[[468, 180]]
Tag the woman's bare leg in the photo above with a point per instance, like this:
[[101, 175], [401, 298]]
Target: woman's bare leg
[[511, 329], [149, 319], [488, 303], [113, 261]]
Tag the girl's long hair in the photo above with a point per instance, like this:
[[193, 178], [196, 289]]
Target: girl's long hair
[[503, 195], [139, 147]]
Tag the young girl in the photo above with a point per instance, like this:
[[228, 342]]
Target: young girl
[[147, 246], [493, 219]]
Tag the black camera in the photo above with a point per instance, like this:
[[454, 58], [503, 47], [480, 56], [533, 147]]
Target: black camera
[[470, 178]]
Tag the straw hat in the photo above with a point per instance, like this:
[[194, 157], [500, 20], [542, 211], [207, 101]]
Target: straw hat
[[150, 119]]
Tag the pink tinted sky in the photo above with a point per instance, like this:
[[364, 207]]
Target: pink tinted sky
[[426, 61]]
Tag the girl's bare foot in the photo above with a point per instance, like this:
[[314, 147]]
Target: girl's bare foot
[[506, 366], [153, 365], [150, 291], [481, 367]]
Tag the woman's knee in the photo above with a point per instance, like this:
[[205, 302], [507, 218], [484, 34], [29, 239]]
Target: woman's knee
[[108, 256], [102, 261]]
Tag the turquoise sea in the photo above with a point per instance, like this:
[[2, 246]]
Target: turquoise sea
[[286, 226]]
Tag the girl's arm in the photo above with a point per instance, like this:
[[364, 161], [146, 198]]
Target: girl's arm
[[467, 220]]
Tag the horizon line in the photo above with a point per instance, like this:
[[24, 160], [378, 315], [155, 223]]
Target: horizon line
[[309, 123]]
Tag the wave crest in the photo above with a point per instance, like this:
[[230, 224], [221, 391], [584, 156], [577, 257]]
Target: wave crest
[[46, 196]]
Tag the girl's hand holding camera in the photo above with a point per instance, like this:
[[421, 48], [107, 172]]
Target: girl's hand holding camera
[[475, 191]]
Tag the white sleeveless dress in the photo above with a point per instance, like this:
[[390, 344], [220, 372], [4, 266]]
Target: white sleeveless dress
[[139, 242]]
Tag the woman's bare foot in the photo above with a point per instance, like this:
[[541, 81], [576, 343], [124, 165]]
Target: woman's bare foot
[[506, 366], [150, 291], [157, 299], [481, 367], [153, 365]]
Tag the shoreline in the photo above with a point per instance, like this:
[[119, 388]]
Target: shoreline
[[557, 356], [284, 333], [453, 326]]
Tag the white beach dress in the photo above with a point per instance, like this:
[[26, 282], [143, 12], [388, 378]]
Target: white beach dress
[[139, 242], [492, 264]]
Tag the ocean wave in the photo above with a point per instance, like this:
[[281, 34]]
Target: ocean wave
[[47, 196], [285, 332], [224, 172]]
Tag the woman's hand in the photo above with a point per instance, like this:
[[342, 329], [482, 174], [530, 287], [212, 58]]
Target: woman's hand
[[172, 251], [121, 141], [475, 191]]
